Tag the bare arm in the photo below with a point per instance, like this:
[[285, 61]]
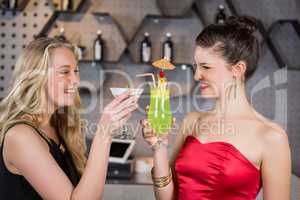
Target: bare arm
[[276, 166], [162, 164], [22, 144]]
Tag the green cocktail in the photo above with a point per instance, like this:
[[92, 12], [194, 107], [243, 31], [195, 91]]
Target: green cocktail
[[159, 113]]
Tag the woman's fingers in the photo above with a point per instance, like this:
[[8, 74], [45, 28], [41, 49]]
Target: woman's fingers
[[124, 119], [144, 122], [147, 108], [173, 122], [118, 99], [119, 123], [147, 129], [118, 111], [120, 107], [147, 133], [125, 112], [124, 104], [150, 136]]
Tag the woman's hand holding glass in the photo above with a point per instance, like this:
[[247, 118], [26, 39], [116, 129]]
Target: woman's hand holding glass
[[116, 113], [152, 138]]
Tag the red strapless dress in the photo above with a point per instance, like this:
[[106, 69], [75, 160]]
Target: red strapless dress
[[215, 171]]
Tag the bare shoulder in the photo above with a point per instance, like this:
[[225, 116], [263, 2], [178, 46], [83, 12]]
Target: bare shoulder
[[274, 138], [21, 132], [27, 154], [22, 137], [271, 132], [269, 125]]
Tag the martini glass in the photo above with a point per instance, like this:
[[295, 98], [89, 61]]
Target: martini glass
[[118, 91]]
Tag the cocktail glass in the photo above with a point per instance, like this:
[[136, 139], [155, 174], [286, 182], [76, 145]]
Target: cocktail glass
[[159, 114], [133, 91]]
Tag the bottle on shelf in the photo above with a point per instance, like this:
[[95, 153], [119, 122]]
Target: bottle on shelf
[[220, 16], [61, 36], [70, 5], [98, 47], [168, 47], [66, 5], [13, 4], [79, 48], [4, 4], [145, 49], [80, 51], [9, 4]]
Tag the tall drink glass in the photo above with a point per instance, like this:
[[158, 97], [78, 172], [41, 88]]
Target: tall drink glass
[[159, 113]]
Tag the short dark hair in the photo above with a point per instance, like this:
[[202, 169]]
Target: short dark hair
[[235, 40]]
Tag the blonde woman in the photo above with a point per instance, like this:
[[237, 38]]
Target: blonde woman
[[232, 152], [42, 145]]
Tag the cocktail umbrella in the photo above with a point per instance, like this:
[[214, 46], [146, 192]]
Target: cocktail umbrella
[[163, 64]]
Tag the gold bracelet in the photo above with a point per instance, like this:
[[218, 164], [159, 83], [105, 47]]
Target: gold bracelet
[[163, 181], [162, 184]]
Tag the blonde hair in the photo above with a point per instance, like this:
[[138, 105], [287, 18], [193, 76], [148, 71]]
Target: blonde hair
[[28, 97]]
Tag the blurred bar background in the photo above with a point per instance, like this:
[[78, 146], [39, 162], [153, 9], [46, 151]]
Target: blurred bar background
[[274, 90]]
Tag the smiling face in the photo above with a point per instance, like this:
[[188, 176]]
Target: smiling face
[[212, 71], [63, 77]]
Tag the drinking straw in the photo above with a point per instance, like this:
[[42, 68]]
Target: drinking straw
[[148, 74]]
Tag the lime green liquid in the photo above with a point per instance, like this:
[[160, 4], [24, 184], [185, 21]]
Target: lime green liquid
[[159, 114]]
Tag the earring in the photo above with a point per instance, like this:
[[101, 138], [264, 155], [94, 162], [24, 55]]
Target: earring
[[235, 87]]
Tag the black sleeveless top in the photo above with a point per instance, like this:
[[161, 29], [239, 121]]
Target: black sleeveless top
[[16, 187]]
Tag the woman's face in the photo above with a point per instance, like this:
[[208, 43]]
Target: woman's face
[[212, 71], [63, 77]]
